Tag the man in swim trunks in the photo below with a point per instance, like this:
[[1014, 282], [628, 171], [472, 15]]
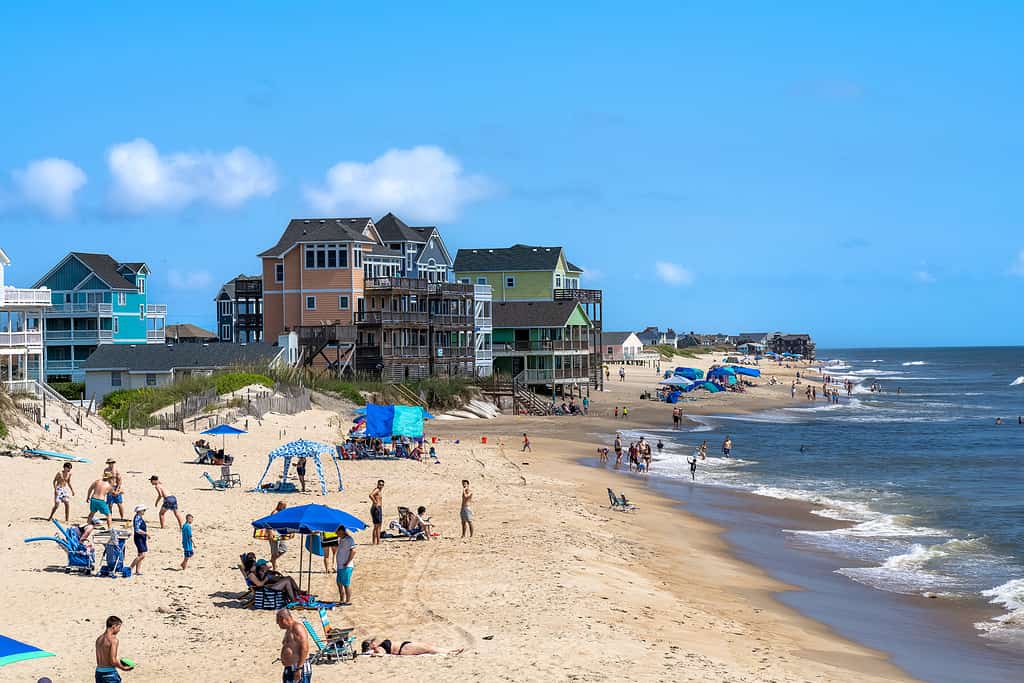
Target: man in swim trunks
[[377, 510], [97, 496], [116, 495], [62, 492], [294, 649], [346, 563], [300, 469], [170, 502], [727, 446], [466, 512], [107, 661]]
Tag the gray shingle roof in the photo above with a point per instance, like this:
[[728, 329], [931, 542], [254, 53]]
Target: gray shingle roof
[[532, 313], [614, 338], [517, 257], [229, 286], [105, 268], [391, 228], [163, 358], [319, 230]]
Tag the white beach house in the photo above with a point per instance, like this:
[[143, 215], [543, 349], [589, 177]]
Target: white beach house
[[21, 334]]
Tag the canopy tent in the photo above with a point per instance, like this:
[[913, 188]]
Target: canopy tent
[[707, 386], [12, 651], [721, 372], [394, 420], [302, 449], [309, 519], [676, 381], [223, 431], [749, 372], [690, 373]]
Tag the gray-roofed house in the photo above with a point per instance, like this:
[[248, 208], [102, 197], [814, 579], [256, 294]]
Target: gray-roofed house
[[621, 347], [542, 342], [423, 251], [97, 300], [187, 333], [240, 310], [127, 366]]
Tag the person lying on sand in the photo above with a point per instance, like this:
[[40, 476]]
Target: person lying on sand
[[379, 648]]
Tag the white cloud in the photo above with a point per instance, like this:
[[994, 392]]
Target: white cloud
[[673, 274], [49, 185], [423, 183], [1017, 268], [924, 277], [145, 180], [192, 279]]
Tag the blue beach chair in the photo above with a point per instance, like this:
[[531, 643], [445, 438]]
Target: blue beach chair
[[217, 484], [80, 558]]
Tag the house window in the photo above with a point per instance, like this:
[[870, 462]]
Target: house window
[[225, 332], [122, 299], [326, 256], [142, 285], [357, 257], [115, 379], [465, 280], [479, 281], [310, 303], [150, 379], [610, 351], [343, 303], [510, 282], [558, 280], [278, 272], [67, 298], [117, 324], [142, 311]]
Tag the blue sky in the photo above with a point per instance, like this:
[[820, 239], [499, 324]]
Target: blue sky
[[849, 171]]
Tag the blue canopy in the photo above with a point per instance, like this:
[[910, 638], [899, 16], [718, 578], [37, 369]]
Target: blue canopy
[[690, 373], [223, 430], [721, 372], [309, 519], [674, 381], [12, 651], [749, 372], [302, 449], [384, 421]]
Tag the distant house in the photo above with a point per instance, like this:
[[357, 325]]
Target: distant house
[[670, 338], [21, 334], [649, 336], [792, 343], [621, 347], [128, 366], [240, 310], [189, 334]]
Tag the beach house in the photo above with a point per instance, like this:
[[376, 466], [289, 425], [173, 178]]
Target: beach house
[[21, 334], [188, 334], [546, 328], [424, 254], [800, 344], [96, 300], [240, 310], [621, 347], [651, 335]]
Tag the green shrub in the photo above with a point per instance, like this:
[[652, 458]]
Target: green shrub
[[233, 381], [70, 390], [3, 430]]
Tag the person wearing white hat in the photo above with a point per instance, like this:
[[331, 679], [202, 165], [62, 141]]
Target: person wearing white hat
[[140, 536]]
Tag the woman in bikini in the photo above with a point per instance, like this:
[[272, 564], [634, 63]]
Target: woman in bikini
[[379, 648]]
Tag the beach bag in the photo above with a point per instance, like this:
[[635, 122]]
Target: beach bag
[[268, 599]]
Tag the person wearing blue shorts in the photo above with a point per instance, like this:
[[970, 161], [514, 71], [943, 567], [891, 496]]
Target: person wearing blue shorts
[[186, 542], [140, 537], [116, 495], [170, 502], [346, 564]]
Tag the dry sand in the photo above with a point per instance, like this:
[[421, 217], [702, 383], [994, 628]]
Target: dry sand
[[554, 586]]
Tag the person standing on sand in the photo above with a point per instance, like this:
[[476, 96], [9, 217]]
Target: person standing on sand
[[169, 502], [618, 449], [294, 649], [140, 537], [278, 546], [107, 660], [727, 446], [625, 412], [346, 564], [616, 412], [622, 374], [186, 542], [526, 444], [300, 469], [647, 456], [97, 496], [466, 511], [116, 495], [376, 512], [586, 405], [62, 492], [693, 467]]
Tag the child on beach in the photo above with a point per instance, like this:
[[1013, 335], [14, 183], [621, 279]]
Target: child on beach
[[140, 536], [186, 541]]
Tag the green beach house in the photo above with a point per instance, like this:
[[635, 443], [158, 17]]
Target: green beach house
[[96, 300], [546, 328]]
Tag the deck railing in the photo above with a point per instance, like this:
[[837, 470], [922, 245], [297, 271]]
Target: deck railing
[[80, 335], [543, 345], [24, 338], [156, 310], [13, 296], [58, 310]]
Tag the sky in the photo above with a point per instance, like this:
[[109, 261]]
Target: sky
[[852, 170]]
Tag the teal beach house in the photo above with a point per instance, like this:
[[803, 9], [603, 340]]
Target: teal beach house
[[96, 300]]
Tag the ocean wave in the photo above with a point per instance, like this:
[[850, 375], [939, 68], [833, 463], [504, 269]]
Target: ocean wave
[[1009, 596], [877, 373], [914, 362], [881, 526], [831, 508], [1017, 382]]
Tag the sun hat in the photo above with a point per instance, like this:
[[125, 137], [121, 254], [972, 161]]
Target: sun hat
[[260, 563], [110, 461], [140, 508]]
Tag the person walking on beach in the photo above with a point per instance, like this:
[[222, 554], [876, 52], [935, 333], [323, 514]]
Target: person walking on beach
[[622, 374], [526, 444], [140, 537], [294, 649], [116, 495], [346, 564], [300, 469], [278, 546], [647, 456], [107, 660], [792, 389], [618, 449], [693, 467], [169, 502], [586, 405], [97, 496], [727, 446], [376, 511], [187, 547], [625, 412], [466, 510], [62, 492], [616, 412]]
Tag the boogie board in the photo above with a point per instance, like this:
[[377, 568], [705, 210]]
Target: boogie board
[[54, 454]]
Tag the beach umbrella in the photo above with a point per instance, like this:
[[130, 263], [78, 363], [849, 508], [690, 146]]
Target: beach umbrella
[[12, 651], [674, 382], [690, 373], [309, 519], [223, 431], [749, 372]]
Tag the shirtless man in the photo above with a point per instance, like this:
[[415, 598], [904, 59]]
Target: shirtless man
[[170, 502], [62, 492], [466, 511], [377, 510], [107, 660], [294, 649], [97, 496], [116, 496]]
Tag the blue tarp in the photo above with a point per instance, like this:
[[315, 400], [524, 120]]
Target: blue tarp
[[408, 422], [379, 420], [386, 421], [690, 373], [749, 372], [721, 372], [309, 519]]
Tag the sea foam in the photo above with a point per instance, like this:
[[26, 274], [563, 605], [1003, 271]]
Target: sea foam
[[1017, 382]]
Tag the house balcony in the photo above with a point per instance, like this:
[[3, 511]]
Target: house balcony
[[64, 310], [456, 289], [156, 336], [28, 338], [63, 366], [249, 321], [409, 352], [248, 289], [85, 336], [583, 296], [463, 320], [484, 355], [554, 376], [483, 325], [392, 318], [156, 310], [541, 346], [482, 292], [13, 296], [408, 284]]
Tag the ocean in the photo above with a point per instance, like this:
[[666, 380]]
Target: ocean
[[932, 488]]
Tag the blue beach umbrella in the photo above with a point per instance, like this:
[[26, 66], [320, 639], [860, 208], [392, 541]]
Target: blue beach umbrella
[[223, 431], [12, 651]]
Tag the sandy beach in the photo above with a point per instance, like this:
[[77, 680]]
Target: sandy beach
[[554, 586]]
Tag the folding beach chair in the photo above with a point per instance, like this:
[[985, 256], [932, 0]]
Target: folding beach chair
[[80, 558], [217, 484], [334, 634], [625, 504], [620, 504], [230, 477], [326, 653]]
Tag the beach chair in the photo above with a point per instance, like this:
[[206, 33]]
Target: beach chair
[[330, 652], [230, 477], [625, 504], [217, 484], [334, 634], [404, 526], [620, 504], [80, 558], [203, 455]]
